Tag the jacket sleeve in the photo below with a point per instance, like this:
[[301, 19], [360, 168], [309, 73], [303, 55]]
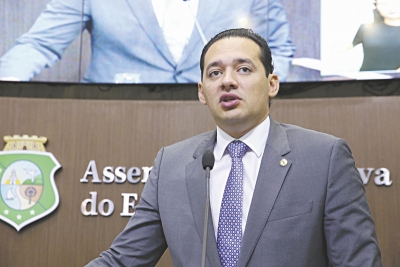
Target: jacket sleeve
[[142, 242], [54, 30], [348, 225]]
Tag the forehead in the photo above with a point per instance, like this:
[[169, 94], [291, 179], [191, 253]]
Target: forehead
[[233, 48]]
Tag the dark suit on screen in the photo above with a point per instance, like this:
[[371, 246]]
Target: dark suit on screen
[[310, 212]]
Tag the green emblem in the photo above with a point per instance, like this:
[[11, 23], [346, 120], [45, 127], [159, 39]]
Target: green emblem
[[27, 187]]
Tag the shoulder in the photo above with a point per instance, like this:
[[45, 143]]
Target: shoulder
[[314, 146], [186, 148], [371, 28], [191, 141], [307, 138]]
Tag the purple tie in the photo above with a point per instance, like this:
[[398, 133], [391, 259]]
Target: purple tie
[[229, 237]]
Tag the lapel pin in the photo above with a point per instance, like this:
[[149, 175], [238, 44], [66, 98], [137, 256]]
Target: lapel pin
[[283, 162]]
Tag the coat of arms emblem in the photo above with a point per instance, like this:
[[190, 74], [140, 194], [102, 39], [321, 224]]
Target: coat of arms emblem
[[27, 187]]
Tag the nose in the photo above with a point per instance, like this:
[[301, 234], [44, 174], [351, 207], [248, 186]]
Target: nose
[[229, 80]]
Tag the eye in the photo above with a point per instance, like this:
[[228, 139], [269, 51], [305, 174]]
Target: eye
[[214, 73], [245, 70]]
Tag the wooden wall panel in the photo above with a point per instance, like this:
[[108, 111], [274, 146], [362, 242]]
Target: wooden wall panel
[[113, 133], [129, 133]]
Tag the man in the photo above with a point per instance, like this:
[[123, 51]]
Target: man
[[153, 41], [289, 197]]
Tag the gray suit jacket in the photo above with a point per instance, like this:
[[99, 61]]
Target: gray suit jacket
[[126, 38], [310, 212]]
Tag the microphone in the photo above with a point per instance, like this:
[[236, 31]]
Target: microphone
[[208, 164], [208, 159]]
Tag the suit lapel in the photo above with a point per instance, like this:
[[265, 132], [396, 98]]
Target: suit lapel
[[269, 182], [144, 13], [205, 15], [196, 186]]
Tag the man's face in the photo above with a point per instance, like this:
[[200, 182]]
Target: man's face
[[235, 86]]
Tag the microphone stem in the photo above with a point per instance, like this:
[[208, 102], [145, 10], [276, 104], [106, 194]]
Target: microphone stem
[[205, 230]]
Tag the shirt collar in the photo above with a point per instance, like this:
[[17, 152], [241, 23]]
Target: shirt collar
[[255, 139]]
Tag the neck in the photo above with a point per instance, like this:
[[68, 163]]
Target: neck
[[240, 129], [238, 134], [392, 22]]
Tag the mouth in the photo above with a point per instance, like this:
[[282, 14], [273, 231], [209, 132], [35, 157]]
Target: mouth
[[229, 100], [229, 97]]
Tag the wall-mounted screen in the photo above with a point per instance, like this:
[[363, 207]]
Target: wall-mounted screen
[[160, 41]]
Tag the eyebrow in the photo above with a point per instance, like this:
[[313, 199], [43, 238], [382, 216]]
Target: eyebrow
[[213, 64], [244, 60], [236, 60]]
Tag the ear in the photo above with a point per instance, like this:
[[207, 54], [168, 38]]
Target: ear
[[273, 85], [200, 93]]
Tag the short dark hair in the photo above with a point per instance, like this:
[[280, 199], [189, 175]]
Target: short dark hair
[[265, 54]]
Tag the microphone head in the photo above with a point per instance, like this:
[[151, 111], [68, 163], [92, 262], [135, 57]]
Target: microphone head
[[208, 159]]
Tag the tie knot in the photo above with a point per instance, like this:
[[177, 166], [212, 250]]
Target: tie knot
[[237, 149]]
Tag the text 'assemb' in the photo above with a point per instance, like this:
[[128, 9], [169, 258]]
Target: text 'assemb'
[[119, 175]]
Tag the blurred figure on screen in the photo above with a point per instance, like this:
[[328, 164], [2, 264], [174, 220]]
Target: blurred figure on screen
[[156, 41], [381, 39]]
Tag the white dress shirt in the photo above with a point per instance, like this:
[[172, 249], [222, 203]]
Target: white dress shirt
[[255, 140], [176, 19]]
